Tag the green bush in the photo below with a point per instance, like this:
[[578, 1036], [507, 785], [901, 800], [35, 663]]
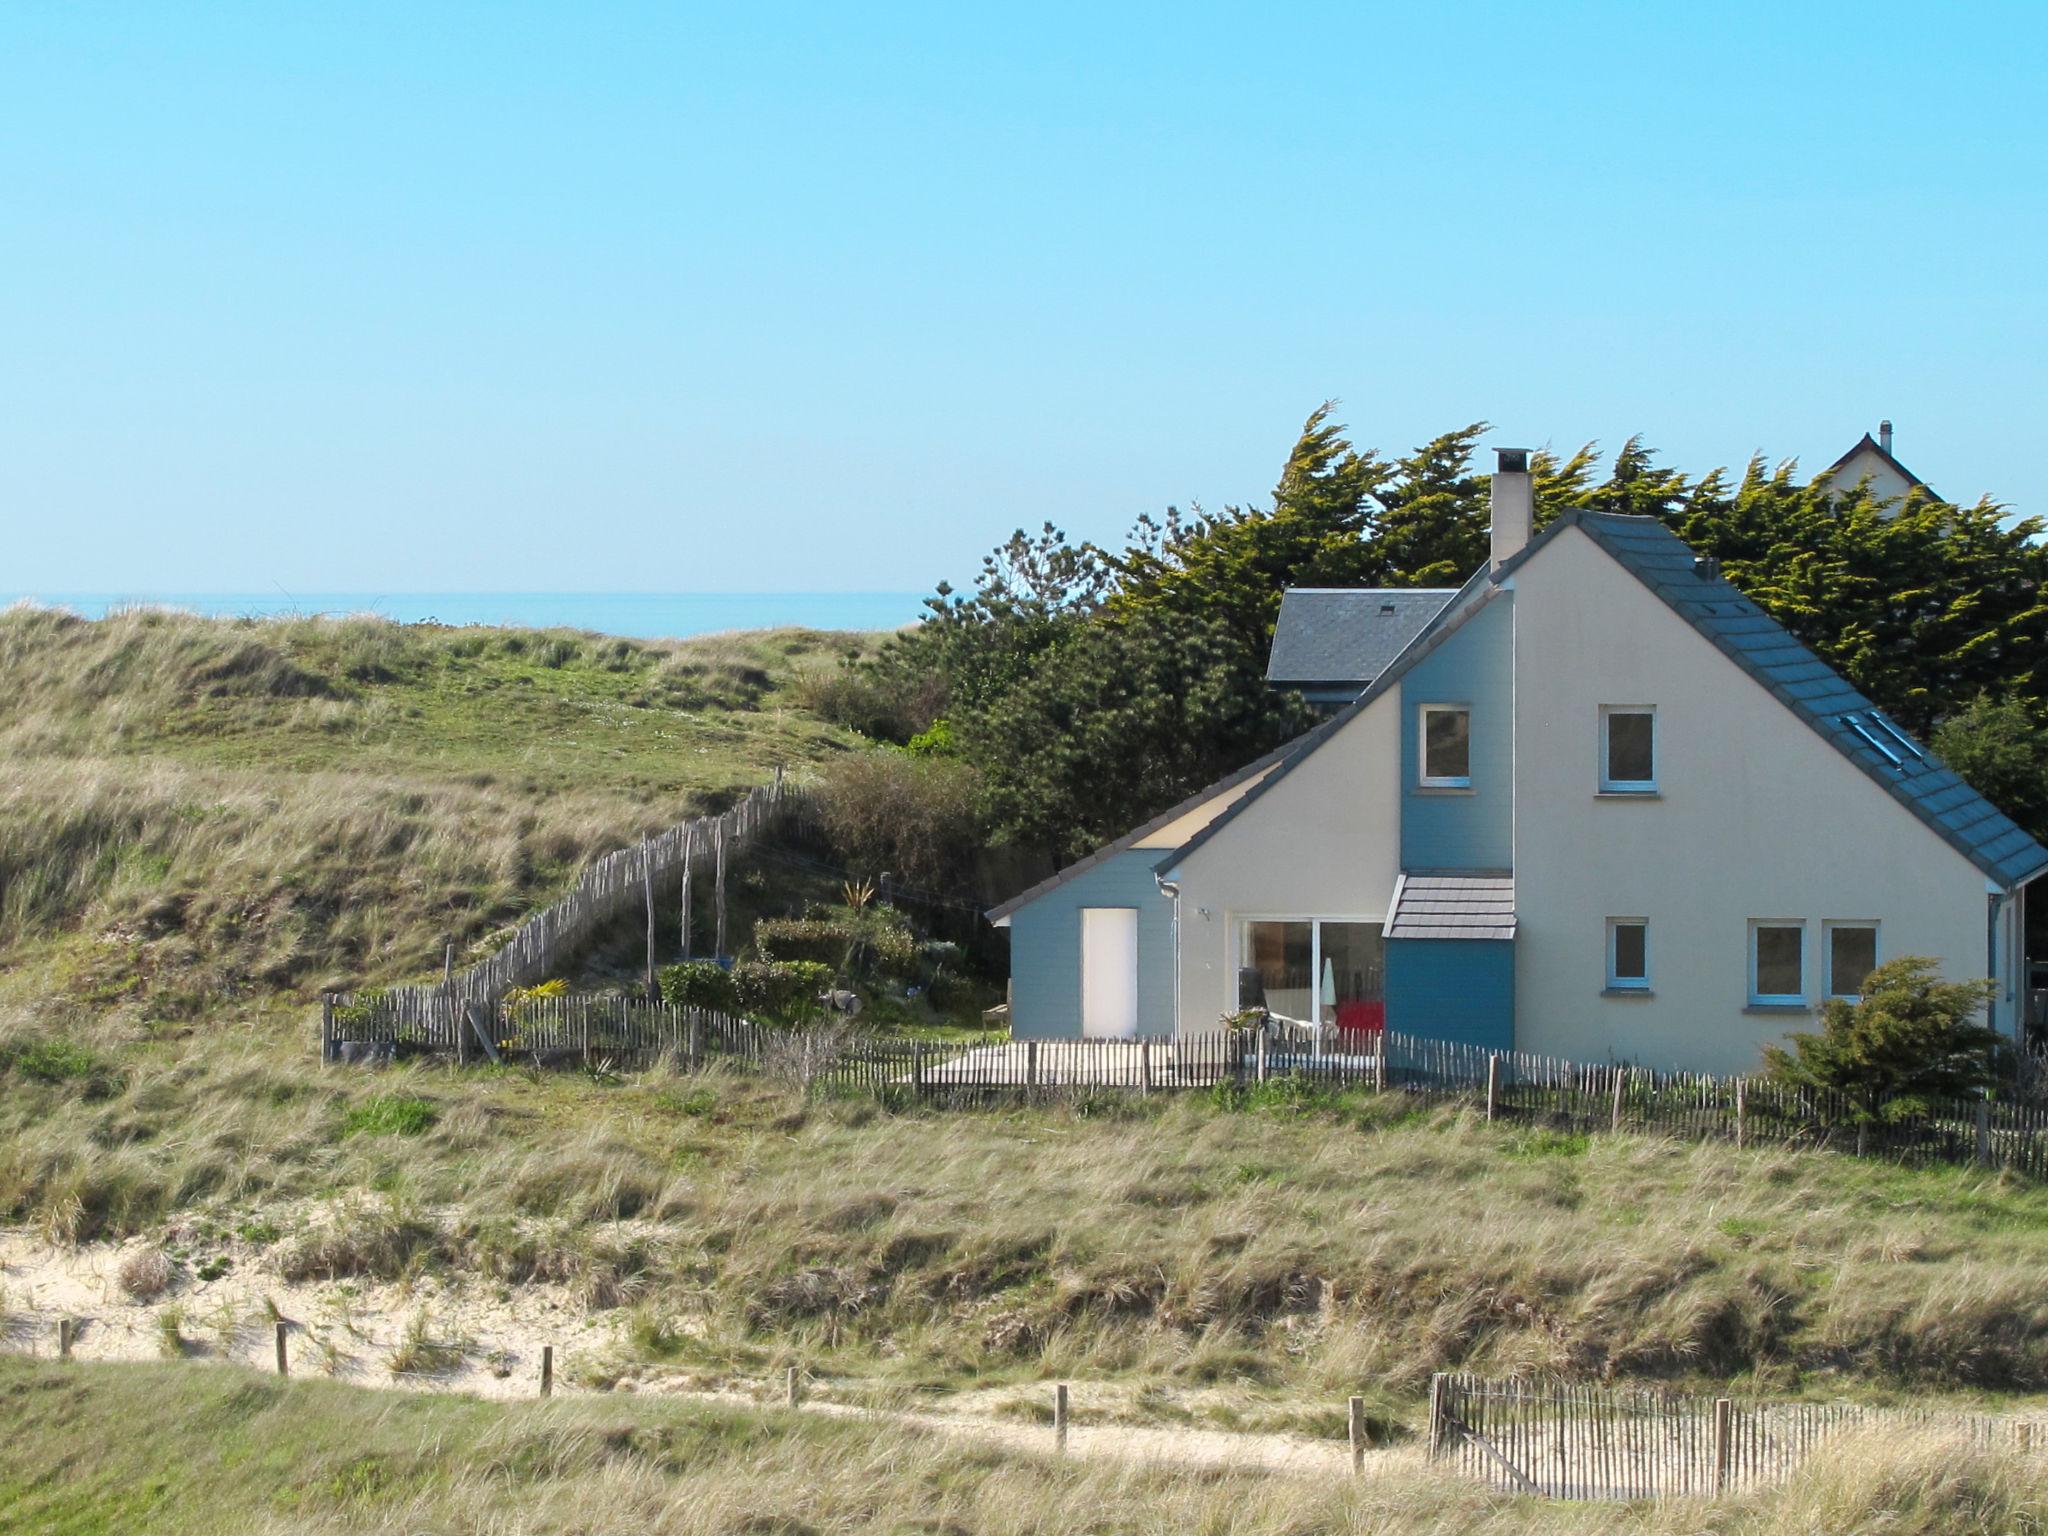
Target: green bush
[[388, 1115], [785, 992], [819, 940], [864, 942], [699, 984], [55, 1060]]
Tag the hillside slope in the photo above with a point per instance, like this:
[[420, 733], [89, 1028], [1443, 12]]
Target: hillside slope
[[198, 812]]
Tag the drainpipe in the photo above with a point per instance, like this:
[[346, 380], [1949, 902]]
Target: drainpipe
[[1993, 903], [1171, 890]]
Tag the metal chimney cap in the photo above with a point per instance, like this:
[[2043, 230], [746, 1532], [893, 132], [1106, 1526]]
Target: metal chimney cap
[[1512, 461]]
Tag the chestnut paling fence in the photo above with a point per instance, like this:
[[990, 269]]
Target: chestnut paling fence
[[455, 1013], [1574, 1440], [1538, 1091]]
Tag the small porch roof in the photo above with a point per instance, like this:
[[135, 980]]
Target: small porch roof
[[1453, 904]]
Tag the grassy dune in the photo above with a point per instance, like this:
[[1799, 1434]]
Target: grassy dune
[[230, 1452], [199, 812], [1239, 1268]]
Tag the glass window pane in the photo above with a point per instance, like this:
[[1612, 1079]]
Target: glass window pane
[[1778, 962], [1447, 744], [1351, 989], [1630, 752], [1281, 954], [1852, 955], [1630, 952]]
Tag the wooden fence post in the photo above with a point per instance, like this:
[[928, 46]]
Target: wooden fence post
[[1492, 1083], [283, 1360], [1724, 1415], [1620, 1081], [696, 1056], [547, 1370], [1741, 1113], [1059, 1419], [1357, 1425], [1983, 1131], [1437, 1386], [1379, 1064], [1031, 1063], [326, 1028], [917, 1068], [1262, 1053], [1144, 1066], [66, 1331], [689, 858], [718, 890], [647, 880], [792, 1387]]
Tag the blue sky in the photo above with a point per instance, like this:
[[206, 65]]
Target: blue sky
[[668, 297]]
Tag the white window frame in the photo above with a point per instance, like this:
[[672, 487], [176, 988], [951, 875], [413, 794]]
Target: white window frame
[[1616, 982], [1422, 773], [1614, 786], [1773, 999], [1827, 951]]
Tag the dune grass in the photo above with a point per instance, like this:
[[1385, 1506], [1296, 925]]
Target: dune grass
[[1292, 1256], [198, 812], [230, 1452]]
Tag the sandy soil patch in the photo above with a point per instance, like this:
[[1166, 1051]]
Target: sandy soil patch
[[486, 1340]]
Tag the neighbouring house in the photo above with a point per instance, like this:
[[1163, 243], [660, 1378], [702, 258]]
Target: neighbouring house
[[1871, 459], [1595, 803]]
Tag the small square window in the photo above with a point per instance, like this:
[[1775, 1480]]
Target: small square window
[[1628, 749], [1777, 962], [1628, 954], [1446, 746], [1852, 956]]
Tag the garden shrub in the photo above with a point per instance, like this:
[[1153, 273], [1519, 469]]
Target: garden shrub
[[785, 992], [699, 984]]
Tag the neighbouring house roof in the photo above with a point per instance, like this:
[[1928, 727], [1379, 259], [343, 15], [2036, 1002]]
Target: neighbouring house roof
[[1347, 635], [1813, 691], [1884, 456], [1464, 904]]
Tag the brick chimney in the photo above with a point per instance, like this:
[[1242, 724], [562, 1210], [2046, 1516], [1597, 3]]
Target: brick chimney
[[1514, 504]]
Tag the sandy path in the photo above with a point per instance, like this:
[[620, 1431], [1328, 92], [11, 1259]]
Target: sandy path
[[492, 1339]]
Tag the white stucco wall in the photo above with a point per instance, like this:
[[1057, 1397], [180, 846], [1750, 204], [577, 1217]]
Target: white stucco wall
[[1325, 841], [1757, 817]]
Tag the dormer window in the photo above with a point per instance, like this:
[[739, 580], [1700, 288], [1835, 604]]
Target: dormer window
[[1628, 749], [1446, 746]]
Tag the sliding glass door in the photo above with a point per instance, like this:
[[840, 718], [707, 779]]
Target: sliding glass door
[[1324, 975]]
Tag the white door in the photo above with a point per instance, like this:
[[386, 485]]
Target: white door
[[1109, 973]]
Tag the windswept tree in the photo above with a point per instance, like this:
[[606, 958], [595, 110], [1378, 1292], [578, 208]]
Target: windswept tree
[[1910, 1042]]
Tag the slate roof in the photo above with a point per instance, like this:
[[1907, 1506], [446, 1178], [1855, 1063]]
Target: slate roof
[[1812, 690], [1460, 905], [1347, 634]]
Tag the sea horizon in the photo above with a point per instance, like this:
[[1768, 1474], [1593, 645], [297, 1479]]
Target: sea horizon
[[634, 615]]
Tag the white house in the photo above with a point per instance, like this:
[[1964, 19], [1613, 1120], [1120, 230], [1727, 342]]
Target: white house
[[1871, 459], [1596, 805]]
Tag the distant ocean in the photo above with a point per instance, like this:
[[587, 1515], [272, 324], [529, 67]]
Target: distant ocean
[[640, 615]]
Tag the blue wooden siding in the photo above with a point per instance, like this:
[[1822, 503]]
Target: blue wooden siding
[[1045, 949], [1450, 829], [1453, 989]]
